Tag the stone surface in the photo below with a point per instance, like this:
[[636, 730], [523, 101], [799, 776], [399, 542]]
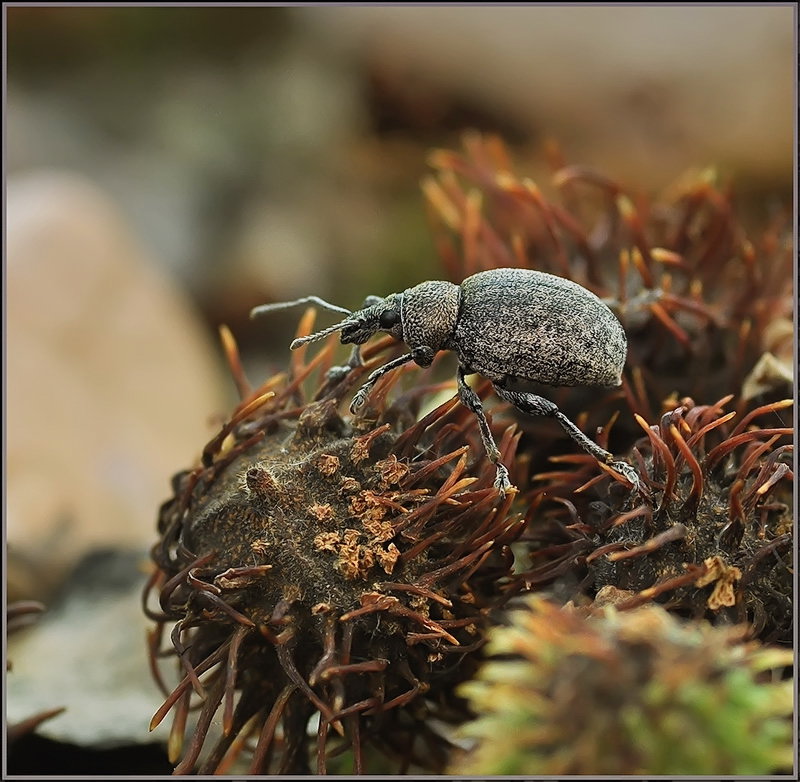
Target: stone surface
[[112, 380], [87, 653], [641, 91]]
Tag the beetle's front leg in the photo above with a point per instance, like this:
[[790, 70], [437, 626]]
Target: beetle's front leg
[[472, 401], [423, 356], [361, 395]]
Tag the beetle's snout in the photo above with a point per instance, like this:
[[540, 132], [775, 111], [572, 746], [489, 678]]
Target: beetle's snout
[[356, 333]]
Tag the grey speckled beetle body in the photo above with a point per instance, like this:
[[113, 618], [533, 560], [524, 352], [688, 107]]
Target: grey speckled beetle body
[[508, 325]]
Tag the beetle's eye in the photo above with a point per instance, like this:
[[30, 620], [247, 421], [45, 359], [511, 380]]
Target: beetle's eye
[[389, 319]]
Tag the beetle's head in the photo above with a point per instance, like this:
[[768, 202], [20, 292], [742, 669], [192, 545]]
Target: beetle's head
[[359, 326], [382, 315]]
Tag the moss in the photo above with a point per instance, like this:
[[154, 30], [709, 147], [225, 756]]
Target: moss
[[317, 563], [639, 692]]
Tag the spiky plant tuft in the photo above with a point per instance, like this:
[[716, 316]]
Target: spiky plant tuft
[[637, 693], [709, 536], [327, 573]]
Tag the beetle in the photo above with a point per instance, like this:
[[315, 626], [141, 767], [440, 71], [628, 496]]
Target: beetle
[[509, 325]]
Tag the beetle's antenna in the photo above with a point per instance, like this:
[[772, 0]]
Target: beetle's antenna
[[285, 305], [300, 341]]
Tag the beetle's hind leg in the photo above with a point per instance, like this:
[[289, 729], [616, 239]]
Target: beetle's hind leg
[[472, 401], [532, 404]]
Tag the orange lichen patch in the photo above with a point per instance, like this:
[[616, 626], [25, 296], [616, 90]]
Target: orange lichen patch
[[725, 577], [356, 557], [355, 560], [388, 557], [380, 531], [327, 541], [327, 464], [358, 504], [379, 506], [362, 444], [322, 512], [391, 470]]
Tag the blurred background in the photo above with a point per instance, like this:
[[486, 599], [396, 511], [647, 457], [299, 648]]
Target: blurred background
[[170, 168]]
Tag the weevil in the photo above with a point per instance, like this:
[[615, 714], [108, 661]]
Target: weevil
[[509, 325]]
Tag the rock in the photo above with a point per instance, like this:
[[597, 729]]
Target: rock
[[87, 655], [644, 91], [111, 381], [769, 375]]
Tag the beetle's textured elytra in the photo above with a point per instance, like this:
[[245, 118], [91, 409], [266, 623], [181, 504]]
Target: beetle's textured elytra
[[505, 324], [519, 323]]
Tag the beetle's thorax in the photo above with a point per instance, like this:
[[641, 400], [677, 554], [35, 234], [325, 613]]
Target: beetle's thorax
[[429, 313]]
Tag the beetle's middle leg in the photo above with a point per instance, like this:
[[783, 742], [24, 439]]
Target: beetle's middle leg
[[337, 373], [472, 401], [532, 404]]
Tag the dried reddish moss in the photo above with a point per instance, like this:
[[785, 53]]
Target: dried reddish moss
[[711, 535], [702, 302], [706, 307], [315, 563]]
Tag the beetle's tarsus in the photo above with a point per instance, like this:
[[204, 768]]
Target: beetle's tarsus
[[629, 473], [361, 395], [359, 398], [501, 480]]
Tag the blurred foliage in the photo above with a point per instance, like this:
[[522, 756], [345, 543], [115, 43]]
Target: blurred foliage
[[627, 693], [208, 123], [46, 40]]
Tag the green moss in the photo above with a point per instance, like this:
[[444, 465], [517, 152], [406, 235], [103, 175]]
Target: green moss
[[626, 693]]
